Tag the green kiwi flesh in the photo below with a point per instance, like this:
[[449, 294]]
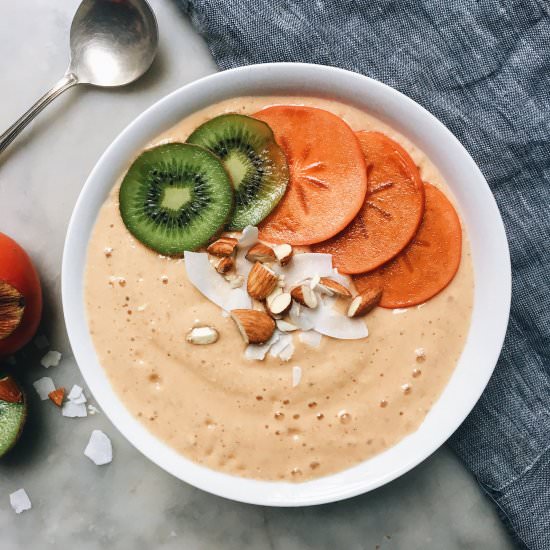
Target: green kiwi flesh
[[175, 197], [12, 420], [256, 164]]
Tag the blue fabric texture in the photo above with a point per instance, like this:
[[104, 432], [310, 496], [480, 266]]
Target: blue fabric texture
[[483, 68]]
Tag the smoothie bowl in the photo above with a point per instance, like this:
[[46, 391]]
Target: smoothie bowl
[[286, 284]]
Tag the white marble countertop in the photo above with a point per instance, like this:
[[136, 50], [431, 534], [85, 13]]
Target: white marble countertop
[[132, 503]]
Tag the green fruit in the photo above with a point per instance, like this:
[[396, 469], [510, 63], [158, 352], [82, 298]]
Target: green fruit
[[175, 197], [13, 413], [256, 164]]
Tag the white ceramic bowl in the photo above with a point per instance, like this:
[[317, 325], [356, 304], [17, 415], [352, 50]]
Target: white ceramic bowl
[[479, 213]]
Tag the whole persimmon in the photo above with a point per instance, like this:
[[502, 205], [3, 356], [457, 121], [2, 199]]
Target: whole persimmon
[[20, 297]]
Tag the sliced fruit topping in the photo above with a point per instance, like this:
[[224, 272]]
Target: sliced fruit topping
[[13, 412], [427, 265], [255, 162], [328, 180], [12, 307], [391, 213], [175, 197]]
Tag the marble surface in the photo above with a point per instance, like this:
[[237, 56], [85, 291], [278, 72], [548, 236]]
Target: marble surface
[[131, 503]]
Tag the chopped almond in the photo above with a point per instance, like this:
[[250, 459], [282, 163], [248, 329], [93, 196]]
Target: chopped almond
[[261, 253], [333, 288], [284, 253], [305, 296], [225, 265], [224, 246], [364, 302], [261, 281]]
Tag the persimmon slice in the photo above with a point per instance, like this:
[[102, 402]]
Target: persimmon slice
[[427, 265], [328, 180], [391, 213]]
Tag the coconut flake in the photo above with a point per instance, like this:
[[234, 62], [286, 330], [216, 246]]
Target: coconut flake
[[315, 280], [242, 265], [305, 266], [303, 318], [74, 410], [51, 359], [249, 236], [92, 410], [310, 338], [44, 386], [76, 395], [287, 353], [257, 352], [399, 311], [285, 326], [284, 341], [20, 501], [296, 376], [211, 285], [334, 324], [99, 449]]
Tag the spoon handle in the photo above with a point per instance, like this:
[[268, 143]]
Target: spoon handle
[[11, 133]]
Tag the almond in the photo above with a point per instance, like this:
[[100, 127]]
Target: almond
[[225, 265], [277, 291], [261, 253], [224, 246], [261, 281], [256, 327], [280, 304], [364, 302], [285, 326], [57, 396], [202, 336], [10, 391], [12, 307], [284, 253], [332, 288], [304, 295]]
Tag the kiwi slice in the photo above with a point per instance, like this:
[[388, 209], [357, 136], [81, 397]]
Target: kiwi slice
[[256, 164], [13, 413], [175, 197]]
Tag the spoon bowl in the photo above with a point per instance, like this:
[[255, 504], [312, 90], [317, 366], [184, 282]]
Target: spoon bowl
[[113, 42]]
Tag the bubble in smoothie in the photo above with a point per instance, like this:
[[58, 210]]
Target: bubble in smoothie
[[344, 416]]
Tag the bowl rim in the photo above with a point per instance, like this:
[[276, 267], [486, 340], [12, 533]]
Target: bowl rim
[[479, 213]]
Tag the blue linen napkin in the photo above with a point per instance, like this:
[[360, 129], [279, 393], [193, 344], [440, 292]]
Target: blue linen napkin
[[483, 68]]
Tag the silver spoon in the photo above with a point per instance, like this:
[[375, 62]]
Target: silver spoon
[[113, 42]]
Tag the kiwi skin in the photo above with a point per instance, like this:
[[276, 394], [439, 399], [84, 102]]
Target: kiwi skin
[[14, 438]]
